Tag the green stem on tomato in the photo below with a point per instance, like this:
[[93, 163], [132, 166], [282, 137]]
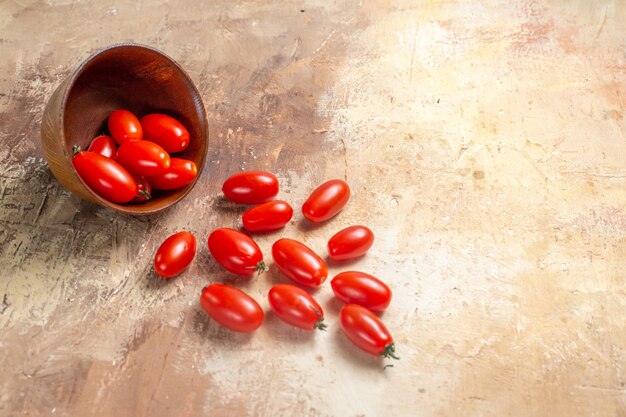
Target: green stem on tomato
[[145, 194], [319, 324], [75, 149], [261, 267], [389, 351]]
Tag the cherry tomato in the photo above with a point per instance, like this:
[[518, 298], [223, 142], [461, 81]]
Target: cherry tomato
[[104, 145], [366, 331], [180, 173], [124, 126], [251, 187], [267, 216], [326, 201], [175, 254], [295, 306], [142, 157], [363, 289], [299, 263], [232, 308], [104, 176], [165, 131], [144, 190], [236, 252], [350, 243]]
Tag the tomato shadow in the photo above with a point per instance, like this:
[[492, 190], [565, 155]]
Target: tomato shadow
[[274, 276], [333, 305], [279, 330], [305, 225], [331, 263], [211, 331], [350, 353], [254, 235], [154, 281], [223, 205]]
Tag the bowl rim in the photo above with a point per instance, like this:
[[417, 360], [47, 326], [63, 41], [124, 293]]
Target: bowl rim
[[71, 81]]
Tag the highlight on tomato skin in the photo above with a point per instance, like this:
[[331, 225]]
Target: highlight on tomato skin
[[355, 287], [299, 263], [366, 331], [165, 131], [326, 201], [296, 307], [350, 243], [175, 254], [236, 252], [141, 157], [104, 176], [267, 216], [104, 145], [250, 187], [232, 308], [181, 172], [124, 126]]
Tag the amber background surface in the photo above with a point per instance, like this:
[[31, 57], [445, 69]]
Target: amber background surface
[[484, 144]]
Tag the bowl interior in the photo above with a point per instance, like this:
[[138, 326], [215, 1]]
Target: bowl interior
[[141, 80]]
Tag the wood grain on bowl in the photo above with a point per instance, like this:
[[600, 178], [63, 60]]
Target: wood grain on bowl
[[123, 76]]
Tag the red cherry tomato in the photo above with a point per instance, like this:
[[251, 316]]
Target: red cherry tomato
[[104, 145], [175, 254], [144, 190], [363, 289], [143, 158], [326, 201], [267, 216], [251, 187], [236, 252], [165, 131], [299, 263], [295, 306], [350, 243], [180, 173], [366, 331], [105, 177], [124, 126], [232, 308]]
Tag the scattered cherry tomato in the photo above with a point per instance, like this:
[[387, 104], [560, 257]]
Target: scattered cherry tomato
[[232, 308], [104, 145], [236, 251], [267, 216], [175, 254], [144, 190], [366, 331], [165, 131], [326, 201], [363, 289], [295, 306], [180, 173], [251, 187], [124, 126], [104, 176], [350, 243], [142, 157], [299, 263]]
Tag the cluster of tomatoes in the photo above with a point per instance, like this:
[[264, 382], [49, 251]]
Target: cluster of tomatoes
[[239, 254], [142, 161]]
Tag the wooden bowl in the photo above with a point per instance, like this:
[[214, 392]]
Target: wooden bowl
[[121, 76]]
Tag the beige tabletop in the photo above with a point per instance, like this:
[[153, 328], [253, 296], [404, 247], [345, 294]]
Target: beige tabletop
[[484, 142]]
